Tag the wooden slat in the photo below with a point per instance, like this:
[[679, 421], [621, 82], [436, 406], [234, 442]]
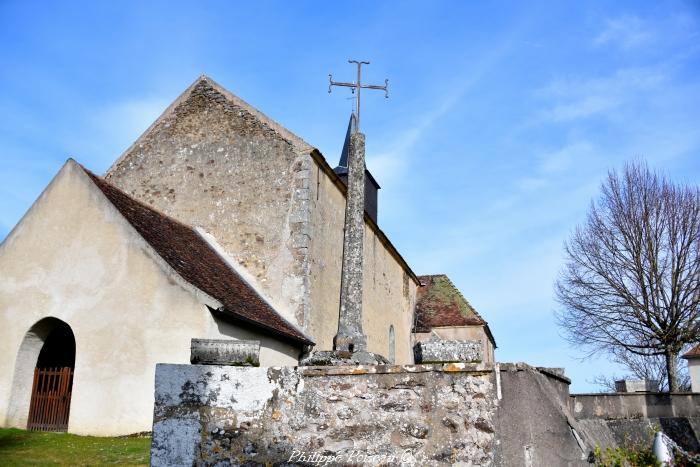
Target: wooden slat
[[50, 403], [32, 405], [65, 398]]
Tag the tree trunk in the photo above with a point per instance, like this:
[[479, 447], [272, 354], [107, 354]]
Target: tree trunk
[[672, 369]]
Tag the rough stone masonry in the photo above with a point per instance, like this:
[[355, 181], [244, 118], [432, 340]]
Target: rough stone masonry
[[353, 415], [350, 337]]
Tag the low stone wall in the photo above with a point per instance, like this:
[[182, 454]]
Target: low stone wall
[[617, 419], [388, 415], [533, 424], [631, 431], [538, 423], [635, 405]]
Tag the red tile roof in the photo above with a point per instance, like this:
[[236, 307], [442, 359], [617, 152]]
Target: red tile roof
[[692, 353], [197, 263]]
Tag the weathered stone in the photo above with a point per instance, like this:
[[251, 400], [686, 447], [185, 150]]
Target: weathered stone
[[342, 358], [446, 351], [225, 352], [636, 385], [247, 417], [350, 337]]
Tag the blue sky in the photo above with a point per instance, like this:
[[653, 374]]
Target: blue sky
[[503, 117]]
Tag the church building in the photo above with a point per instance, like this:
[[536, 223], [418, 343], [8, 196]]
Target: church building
[[216, 223]]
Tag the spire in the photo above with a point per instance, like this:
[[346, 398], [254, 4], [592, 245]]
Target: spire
[[371, 185], [352, 128]]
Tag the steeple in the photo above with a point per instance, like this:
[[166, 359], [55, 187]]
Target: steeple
[[371, 185], [352, 128]]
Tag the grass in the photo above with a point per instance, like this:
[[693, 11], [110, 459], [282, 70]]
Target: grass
[[20, 447]]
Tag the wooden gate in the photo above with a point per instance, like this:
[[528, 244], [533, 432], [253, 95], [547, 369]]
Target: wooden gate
[[50, 404]]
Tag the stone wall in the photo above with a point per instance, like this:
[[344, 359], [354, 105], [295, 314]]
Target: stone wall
[[389, 291], [213, 161], [274, 205], [538, 423], [533, 423], [635, 405], [415, 415]]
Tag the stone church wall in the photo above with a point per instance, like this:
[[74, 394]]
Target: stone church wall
[[377, 415], [388, 291], [210, 162], [213, 161]]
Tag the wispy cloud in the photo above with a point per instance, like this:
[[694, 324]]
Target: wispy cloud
[[575, 98], [395, 155], [112, 128], [566, 157], [625, 32]]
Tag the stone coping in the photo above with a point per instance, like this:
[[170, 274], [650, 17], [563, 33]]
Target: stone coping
[[475, 368], [480, 368], [637, 393], [520, 366]]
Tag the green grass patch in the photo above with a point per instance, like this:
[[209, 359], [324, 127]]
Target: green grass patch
[[20, 447]]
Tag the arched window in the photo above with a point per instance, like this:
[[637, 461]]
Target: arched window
[[392, 345]]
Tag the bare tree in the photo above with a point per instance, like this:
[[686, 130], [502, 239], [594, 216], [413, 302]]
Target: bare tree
[[631, 283]]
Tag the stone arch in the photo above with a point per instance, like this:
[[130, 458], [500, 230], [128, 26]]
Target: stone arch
[[49, 342], [392, 345]]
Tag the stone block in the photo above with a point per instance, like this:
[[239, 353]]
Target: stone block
[[636, 385], [334, 415], [447, 351], [225, 352]]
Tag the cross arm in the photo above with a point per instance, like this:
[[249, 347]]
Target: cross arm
[[384, 88], [339, 83]]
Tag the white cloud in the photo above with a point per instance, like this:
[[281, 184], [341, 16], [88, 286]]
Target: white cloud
[[566, 157], [130, 118], [107, 132], [395, 155], [626, 32], [582, 108], [574, 98]]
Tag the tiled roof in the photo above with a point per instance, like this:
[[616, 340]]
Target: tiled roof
[[693, 353], [197, 263], [440, 303]]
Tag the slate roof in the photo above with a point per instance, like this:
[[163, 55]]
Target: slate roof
[[198, 263], [692, 353], [440, 304]]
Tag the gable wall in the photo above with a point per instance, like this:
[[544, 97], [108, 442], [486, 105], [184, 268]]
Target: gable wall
[[389, 294], [75, 258], [211, 163]]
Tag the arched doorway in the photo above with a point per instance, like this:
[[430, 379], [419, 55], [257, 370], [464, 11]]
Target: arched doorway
[[47, 358]]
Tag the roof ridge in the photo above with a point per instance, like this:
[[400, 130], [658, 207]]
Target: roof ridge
[[277, 128], [242, 273], [134, 200]]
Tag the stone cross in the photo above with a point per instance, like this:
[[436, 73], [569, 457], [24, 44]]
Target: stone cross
[[350, 337]]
